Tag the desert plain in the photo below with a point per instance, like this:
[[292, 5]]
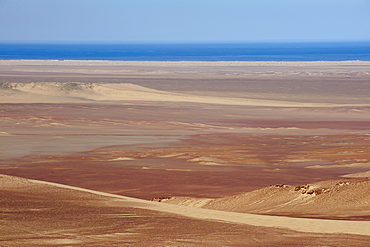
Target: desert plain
[[118, 153]]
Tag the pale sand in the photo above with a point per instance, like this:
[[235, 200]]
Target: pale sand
[[300, 84], [358, 175], [352, 165], [297, 224], [333, 199], [46, 92]]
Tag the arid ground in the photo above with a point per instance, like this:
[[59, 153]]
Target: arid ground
[[109, 153]]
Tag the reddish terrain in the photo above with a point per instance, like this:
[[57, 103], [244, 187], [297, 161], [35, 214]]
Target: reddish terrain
[[203, 130]]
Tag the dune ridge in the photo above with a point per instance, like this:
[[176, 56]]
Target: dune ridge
[[297, 224], [39, 92], [343, 198]]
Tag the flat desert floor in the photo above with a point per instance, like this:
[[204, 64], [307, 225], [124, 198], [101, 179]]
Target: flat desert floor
[[110, 153]]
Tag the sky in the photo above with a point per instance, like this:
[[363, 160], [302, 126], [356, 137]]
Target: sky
[[182, 21]]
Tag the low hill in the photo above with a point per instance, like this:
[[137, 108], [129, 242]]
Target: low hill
[[51, 92], [336, 199], [37, 213]]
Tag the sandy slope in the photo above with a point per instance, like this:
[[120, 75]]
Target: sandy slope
[[297, 224], [344, 198], [37, 92], [357, 175], [35, 213]]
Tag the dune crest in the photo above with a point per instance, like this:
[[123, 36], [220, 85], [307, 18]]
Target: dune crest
[[344, 198], [40, 188], [40, 92]]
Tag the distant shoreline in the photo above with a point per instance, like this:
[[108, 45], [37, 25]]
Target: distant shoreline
[[186, 62]]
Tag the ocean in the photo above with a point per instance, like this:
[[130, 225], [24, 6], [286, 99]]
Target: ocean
[[313, 51]]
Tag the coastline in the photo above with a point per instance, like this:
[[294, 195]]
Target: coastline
[[229, 63]]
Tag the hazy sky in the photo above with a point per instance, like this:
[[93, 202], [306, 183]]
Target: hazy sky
[[183, 20]]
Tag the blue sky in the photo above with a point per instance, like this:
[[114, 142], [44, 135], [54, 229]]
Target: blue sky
[[130, 21]]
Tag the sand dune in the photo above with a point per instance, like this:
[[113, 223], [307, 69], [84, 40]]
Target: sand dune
[[37, 213], [37, 92], [344, 198], [297, 224], [357, 175]]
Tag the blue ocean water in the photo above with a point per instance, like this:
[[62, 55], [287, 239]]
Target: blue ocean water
[[324, 51]]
